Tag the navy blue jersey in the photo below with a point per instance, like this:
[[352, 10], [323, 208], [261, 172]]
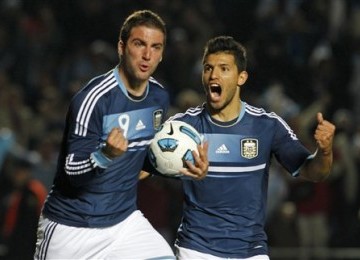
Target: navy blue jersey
[[89, 189], [224, 214]]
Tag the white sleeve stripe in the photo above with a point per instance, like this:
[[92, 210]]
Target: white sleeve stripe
[[85, 101], [153, 80], [310, 157], [259, 112], [77, 168], [88, 115], [80, 167], [70, 157], [191, 111], [78, 172], [83, 119], [88, 104]]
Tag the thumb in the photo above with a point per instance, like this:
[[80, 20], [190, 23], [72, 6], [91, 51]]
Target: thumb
[[320, 118]]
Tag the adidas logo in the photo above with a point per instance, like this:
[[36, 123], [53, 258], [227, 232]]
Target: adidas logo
[[222, 149], [140, 125]]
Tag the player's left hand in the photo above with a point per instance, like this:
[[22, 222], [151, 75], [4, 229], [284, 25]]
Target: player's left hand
[[198, 170], [324, 135]]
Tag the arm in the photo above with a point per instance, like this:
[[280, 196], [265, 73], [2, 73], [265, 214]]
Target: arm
[[322, 162], [86, 152]]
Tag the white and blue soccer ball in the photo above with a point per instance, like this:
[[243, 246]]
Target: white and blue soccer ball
[[172, 146]]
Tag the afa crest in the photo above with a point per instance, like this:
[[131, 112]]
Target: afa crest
[[157, 118], [249, 148]]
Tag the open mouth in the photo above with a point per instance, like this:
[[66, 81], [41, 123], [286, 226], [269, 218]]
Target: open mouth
[[215, 91]]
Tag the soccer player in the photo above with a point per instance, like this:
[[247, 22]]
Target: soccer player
[[91, 211], [224, 213]]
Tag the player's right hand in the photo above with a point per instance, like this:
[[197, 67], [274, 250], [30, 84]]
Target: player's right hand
[[116, 143], [198, 171]]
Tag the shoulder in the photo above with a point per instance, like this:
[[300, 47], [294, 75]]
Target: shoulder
[[159, 93], [262, 113], [95, 89], [156, 84], [192, 113], [268, 119], [256, 111]]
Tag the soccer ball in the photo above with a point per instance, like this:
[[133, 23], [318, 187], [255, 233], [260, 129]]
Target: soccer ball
[[172, 146]]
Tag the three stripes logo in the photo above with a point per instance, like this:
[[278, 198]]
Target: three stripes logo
[[222, 149], [140, 125]]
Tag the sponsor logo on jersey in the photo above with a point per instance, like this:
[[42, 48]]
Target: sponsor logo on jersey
[[249, 148], [157, 118], [222, 149], [140, 125]]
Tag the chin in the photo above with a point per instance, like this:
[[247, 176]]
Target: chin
[[145, 75], [214, 106], [142, 76]]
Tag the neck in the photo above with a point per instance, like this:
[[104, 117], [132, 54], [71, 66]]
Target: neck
[[134, 86], [226, 114]]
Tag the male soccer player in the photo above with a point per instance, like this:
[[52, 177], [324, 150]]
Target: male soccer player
[[91, 211], [224, 213]]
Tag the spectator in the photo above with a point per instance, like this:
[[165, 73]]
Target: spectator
[[21, 199]]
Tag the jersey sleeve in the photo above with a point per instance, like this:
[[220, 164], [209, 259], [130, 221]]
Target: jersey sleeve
[[84, 140], [288, 149]]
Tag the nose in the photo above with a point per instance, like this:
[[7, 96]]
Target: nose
[[214, 73], [147, 53]]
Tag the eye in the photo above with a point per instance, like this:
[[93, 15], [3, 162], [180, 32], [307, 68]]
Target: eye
[[138, 43], [207, 68], [158, 47], [224, 68]]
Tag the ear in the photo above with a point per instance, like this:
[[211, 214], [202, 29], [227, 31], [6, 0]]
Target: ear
[[242, 78], [120, 48], [160, 59]]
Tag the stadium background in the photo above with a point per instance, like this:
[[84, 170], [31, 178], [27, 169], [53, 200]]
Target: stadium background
[[304, 56]]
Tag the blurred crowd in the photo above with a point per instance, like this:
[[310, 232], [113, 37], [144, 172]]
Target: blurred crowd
[[304, 57]]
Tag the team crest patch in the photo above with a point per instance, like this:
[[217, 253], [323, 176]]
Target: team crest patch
[[157, 118], [249, 148]]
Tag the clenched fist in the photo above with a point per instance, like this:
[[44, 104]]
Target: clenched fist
[[116, 143]]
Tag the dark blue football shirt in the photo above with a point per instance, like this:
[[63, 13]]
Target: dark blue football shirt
[[224, 214], [89, 189]]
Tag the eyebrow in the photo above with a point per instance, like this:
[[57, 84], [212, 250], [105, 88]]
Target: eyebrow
[[144, 42]]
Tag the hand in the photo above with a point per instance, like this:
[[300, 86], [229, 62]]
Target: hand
[[116, 143], [143, 175], [324, 135], [198, 170]]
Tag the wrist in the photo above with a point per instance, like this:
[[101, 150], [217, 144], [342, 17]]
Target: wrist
[[101, 159], [106, 152], [326, 152]]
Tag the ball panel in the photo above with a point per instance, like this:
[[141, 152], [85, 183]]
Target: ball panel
[[188, 157], [167, 144], [191, 133]]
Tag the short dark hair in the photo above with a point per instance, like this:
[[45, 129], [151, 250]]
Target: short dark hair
[[229, 45], [141, 17]]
